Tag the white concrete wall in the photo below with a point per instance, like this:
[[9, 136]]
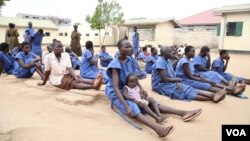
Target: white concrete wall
[[85, 29], [164, 34], [240, 43], [196, 38]]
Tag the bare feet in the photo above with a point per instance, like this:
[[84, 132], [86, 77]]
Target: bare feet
[[98, 81], [163, 132], [239, 88], [160, 119], [164, 116], [191, 115], [219, 96]]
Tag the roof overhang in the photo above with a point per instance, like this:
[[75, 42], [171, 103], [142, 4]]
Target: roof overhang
[[150, 22], [232, 9]]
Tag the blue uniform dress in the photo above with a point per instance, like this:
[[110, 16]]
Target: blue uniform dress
[[117, 54], [141, 74], [135, 42], [27, 36], [21, 72], [218, 64], [9, 62], [88, 70], [185, 80], [74, 60], [14, 51], [182, 91], [105, 55], [36, 44], [212, 75], [149, 63], [142, 56], [31, 30], [124, 69]]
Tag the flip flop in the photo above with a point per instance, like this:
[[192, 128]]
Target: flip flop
[[242, 96], [193, 116]]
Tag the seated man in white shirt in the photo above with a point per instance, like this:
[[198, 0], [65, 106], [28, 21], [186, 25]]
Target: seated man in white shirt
[[58, 69]]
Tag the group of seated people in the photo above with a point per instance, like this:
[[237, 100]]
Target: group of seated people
[[191, 79]]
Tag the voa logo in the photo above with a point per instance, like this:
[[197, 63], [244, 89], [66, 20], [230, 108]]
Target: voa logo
[[236, 132]]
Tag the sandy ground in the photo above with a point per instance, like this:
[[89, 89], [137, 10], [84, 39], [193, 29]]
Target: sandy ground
[[32, 113]]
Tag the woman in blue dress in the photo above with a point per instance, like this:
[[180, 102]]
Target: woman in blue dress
[[36, 42], [151, 60], [105, 58], [166, 83], [76, 63], [28, 63], [7, 62], [88, 68], [202, 64], [219, 66], [16, 50], [143, 55], [117, 71], [185, 71], [117, 54], [140, 73], [135, 42]]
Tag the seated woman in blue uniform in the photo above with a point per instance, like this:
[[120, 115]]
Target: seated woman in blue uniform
[[88, 68], [76, 63], [16, 50], [151, 60], [143, 55], [220, 66], [185, 71], [105, 58], [140, 73], [118, 71], [28, 63], [117, 54], [7, 62], [202, 64], [166, 83]]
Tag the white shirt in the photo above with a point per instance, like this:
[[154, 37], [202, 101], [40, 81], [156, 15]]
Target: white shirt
[[57, 68]]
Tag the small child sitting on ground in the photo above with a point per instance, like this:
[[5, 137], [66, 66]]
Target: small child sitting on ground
[[132, 92]]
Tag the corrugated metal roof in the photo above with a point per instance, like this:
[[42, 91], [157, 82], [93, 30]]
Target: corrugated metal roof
[[19, 22], [232, 9], [150, 22], [203, 18]]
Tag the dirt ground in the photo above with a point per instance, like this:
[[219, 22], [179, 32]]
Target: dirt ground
[[32, 113]]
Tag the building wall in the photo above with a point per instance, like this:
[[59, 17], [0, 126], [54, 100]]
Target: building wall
[[46, 39], [86, 34], [164, 33], [240, 43], [197, 36]]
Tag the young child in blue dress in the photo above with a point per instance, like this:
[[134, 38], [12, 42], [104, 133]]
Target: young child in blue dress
[[132, 92]]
